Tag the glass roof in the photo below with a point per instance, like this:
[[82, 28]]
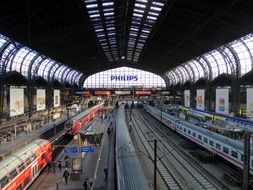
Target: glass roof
[[16, 57]]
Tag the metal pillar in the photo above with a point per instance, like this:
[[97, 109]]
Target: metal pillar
[[155, 162], [246, 161]]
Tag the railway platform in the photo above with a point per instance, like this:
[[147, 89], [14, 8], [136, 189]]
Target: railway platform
[[93, 165]]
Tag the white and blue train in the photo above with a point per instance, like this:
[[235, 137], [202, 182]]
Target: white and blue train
[[130, 174], [227, 148]]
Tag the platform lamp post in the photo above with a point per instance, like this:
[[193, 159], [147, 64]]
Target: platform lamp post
[[161, 116], [155, 162]]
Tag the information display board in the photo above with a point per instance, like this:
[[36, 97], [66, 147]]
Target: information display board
[[77, 164], [187, 98], [200, 99], [222, 101], [123, 92], [16, 101], [41, 99], [56, 98]]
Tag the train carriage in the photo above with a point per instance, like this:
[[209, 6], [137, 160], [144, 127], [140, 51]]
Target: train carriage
[[73, 125], [21, 168]]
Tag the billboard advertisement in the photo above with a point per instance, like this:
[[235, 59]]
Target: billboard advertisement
[[187, 98], [142, 92], [86, 93], [41, 99], [56, 98], [102, 92], [77, 164], [123, 92], [249, 102], [16, 101], [222, 101], [200, 99]]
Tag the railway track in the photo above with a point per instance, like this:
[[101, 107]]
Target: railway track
[[185, 173]]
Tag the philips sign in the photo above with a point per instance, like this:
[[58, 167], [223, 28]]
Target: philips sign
[[124, 78]]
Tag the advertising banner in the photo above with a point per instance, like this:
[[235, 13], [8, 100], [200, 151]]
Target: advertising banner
[[77, 164], [86, 92], [222, 101], [16, 101], [187, 98], [102, 92], [249, 102], [123, 92], [200, 99], [140, 92], [41, 99], [56, 98]]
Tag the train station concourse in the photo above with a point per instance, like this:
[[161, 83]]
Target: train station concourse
[[128, 95]]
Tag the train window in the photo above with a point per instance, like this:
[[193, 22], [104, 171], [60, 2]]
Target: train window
[[218, 146], [26, 181], [225, 149], [211, 143], [205, 139], [234, 154], [189, 132], [199, 137], [13, 174], [180, 128], [194, 134], [28, 161], [21, 167], [34, 157], [19, 187], [184, 129], [4, 181], [242, 157]]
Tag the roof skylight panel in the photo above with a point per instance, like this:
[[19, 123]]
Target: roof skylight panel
[[99, 30], [93, 11], [140, 5], [90, 6], [151, 17], [157, 3], [155, 8], [138, 10], [109, 14], [153, 13], [138, 15], [142, 1], [107, 4], [108, 9], [95, 15], [90, 1]]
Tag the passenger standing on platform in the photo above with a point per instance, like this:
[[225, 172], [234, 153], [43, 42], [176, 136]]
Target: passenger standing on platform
[[106, 173], [91, 182], [54, 163], [60, 165], [66, 158], [85, 184], [49, 165], [66, 176]]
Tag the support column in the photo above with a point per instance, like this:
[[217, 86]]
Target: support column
[[246, 160]]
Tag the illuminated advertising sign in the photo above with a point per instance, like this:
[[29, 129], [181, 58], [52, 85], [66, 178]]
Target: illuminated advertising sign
[[222, 101], [140, 92], [102, 92], [123, 92], [124, 78]]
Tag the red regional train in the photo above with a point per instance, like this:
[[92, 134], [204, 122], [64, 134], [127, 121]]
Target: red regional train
[[21, 168], [73, 125]]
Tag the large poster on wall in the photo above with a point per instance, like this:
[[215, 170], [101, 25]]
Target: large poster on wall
[[200, 99], [41, 99], [249, 102], [222, 101], [16, 101], [56, 98], [187, 98]]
